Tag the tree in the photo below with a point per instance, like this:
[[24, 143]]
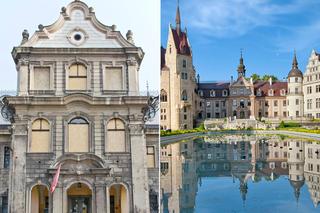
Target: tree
[[255, 77], [267, 77]]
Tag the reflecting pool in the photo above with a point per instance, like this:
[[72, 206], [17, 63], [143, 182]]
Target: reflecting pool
[[241, 173]]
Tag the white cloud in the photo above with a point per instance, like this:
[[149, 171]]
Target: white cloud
[[231, 18]]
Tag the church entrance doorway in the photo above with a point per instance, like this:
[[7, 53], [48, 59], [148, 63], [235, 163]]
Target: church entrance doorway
[[79, 198]]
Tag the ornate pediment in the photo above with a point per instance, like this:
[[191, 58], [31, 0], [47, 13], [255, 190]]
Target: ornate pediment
[[77, 27], [80, 164]]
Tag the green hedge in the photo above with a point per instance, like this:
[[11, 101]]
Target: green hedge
[[289, 124]]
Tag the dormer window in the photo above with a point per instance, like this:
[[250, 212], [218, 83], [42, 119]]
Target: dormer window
[[225, 93], [270, 92], [259, 92], [212, 93], [200, 93], [283, 92]]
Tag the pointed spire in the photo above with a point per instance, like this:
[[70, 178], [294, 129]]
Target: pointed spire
[[178, 20], [241, 67], [295, 61]]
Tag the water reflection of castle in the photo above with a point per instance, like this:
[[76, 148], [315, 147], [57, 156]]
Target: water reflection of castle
[[240, 157]]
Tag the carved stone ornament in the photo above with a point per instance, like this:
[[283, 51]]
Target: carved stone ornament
[[136, 129], [132, 61], [24, 61]]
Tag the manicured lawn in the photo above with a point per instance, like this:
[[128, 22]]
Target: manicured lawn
[[299, 129]]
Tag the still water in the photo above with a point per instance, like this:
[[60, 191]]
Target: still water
[[241, 173]]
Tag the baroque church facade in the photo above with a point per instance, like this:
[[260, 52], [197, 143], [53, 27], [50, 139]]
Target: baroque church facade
[[186, 101], [78, 106]]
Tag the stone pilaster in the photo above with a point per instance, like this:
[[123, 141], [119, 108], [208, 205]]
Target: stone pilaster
[[57, 200], [18, 169], [139, 167], [23, 73], [133, 79], [100, 198]]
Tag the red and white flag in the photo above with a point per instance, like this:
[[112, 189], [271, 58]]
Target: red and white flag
[[55, 179]]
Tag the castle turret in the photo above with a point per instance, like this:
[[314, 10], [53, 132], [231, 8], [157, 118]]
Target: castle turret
[[241, 67], [295, 93]]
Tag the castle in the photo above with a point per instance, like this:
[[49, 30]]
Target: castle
[[186, 101]]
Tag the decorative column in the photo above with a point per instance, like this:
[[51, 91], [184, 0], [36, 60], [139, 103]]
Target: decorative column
[[133, 78], [18, 169], [139, 167], [23, 71], [58, 199], [100, 198]]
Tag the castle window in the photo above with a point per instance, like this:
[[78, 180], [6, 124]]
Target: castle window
[[275, 103], [6, 157], [259, 92], [184, 95], [113, 78], [309, 90], [212, 93], [297, 101], [150, 157], [4, 204], [116, 137], [270, 92], [224, 93], [164, 168], [163, 96], [284, 103], [317, 103], [77, 77], [296, 79], [184, 63], [40, 136], [41, 78], [78, 135], [309, 104], [317, 88], [184, 76]]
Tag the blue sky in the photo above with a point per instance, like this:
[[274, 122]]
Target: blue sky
[[267, 30], [18, 15]]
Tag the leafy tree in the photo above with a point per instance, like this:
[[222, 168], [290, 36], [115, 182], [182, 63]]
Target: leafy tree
[[266, 78], [255, 77]]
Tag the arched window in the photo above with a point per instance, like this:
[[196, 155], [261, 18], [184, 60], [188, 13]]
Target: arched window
[[78, 135], [40, 136], [115, 136], [184, 95], [77, 77], [163, 96]]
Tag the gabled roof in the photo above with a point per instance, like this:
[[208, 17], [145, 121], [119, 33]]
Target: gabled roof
[[181, 42], [265, 86], [77, 18]]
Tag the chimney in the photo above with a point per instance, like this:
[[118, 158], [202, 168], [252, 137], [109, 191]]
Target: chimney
[[251, 80], [270, 81]]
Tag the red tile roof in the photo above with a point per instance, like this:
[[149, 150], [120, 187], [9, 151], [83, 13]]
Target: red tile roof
[[181, 42], [265, 86]]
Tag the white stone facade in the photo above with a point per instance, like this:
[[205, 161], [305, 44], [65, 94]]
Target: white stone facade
[[78, 106]]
